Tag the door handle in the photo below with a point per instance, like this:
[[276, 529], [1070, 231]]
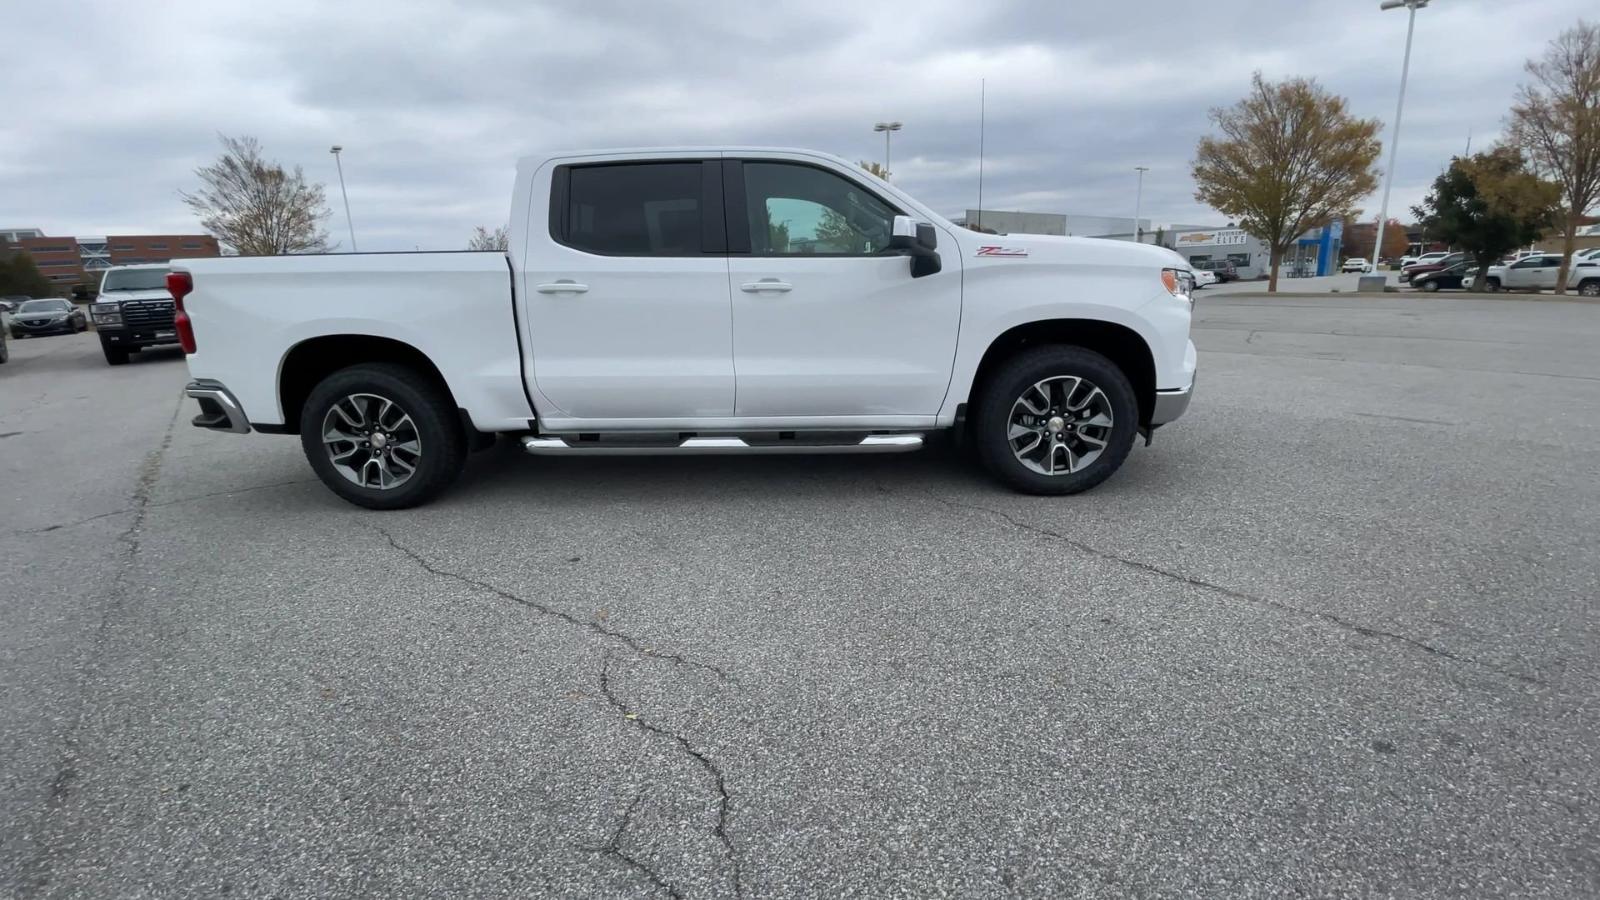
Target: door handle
[[766, 284], [562, 287]]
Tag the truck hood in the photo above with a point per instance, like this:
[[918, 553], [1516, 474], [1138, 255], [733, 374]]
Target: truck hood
[[1049, 248], [125, 296]]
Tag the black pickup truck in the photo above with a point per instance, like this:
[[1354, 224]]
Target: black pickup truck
[[134, 311]]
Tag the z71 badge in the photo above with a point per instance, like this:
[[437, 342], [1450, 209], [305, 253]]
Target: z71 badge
[[995, 250]]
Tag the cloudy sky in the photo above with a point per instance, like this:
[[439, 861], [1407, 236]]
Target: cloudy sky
[[109, 106]]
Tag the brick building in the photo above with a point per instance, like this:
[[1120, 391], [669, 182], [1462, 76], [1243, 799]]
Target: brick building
[[68, 261]]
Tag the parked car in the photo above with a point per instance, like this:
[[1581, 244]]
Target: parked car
[[1455, 277], [1224, 269], [615, 335], [1433, 265], [133, 311], [1531, 273], [1424, 258], [1203, 277], [1356, 265], [9, 304], [36, 318], [1585, 275]]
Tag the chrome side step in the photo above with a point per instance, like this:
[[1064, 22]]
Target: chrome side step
[[700, 446]]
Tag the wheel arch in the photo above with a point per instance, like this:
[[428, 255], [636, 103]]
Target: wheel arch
[[310, 361], [1126, 349]]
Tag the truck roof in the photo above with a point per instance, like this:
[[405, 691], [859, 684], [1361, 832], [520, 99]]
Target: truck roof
[[534, 161]]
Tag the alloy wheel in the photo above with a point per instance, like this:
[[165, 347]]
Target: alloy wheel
[[1060, 425], [371, 441]]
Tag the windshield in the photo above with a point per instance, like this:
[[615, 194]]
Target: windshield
[[38, 306], [134, 280]]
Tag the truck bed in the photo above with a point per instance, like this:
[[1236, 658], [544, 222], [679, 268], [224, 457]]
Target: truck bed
[[456, 308]]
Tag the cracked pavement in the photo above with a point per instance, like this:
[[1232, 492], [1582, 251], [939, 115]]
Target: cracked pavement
[[1334, 635]]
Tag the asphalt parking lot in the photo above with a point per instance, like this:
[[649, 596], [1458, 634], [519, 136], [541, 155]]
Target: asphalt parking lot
[[1333, 634]]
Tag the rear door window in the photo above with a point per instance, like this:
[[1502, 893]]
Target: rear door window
[[633, 209]]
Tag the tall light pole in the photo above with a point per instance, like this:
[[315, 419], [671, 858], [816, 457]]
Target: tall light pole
[[1394, 137], [347, 220], [1138, 202], [888, 128]]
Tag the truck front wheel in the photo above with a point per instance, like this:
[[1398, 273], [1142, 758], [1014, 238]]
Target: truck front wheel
[[382, 436], [115, 356], [1055, 420]]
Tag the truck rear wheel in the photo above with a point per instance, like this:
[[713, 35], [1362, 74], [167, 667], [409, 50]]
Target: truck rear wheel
[[382, 436], [1055, 420]]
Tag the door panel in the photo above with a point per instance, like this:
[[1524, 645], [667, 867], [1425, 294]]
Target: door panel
[[628, 299], [825, 324]]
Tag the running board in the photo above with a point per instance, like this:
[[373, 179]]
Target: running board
[[702, 446]]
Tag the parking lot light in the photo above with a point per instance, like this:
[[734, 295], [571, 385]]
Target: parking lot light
[[1394, 137]]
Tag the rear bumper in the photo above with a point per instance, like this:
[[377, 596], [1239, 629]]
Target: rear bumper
[[219, 409], [1171, 404]]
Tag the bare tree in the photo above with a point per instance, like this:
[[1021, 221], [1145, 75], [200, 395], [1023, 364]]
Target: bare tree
[[257, 208], [1556, 122], [1290, 158], [484, 239], [875, 168]]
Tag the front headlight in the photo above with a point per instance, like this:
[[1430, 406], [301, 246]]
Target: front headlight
[[108, 318], [98, 308], [1179, 283]]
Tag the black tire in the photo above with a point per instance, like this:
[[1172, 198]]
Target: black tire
[[1590, 288], [1492, 286], [1000, 392], [115, 356], [1431, 285], [438, 431]]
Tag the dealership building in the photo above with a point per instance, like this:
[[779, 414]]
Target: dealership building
[[1315, 253], [68, 261]]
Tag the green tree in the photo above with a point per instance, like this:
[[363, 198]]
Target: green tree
[[1556, 123], [19, 275], [1488, 205], [1290, 158]]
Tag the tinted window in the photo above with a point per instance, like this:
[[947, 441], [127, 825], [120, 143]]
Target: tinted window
[[134, 280], [798, 211], [635, 209]]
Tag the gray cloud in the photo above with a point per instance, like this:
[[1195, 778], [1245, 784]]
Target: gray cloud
[[433, 102]]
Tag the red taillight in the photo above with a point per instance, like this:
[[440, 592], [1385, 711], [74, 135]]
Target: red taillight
[[179, 284]]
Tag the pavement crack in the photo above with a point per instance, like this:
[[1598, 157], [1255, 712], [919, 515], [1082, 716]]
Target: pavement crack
[[1232, 594], [70, 768], [724, 801], [614, 849], [596, 628]]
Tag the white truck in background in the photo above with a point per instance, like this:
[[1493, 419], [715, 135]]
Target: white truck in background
[[714, 300]]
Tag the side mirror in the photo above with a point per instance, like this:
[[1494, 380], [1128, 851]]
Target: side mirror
[[918, 240]]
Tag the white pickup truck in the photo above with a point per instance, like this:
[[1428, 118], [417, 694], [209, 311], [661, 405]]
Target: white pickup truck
[[697, 301], [1541, 271]]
